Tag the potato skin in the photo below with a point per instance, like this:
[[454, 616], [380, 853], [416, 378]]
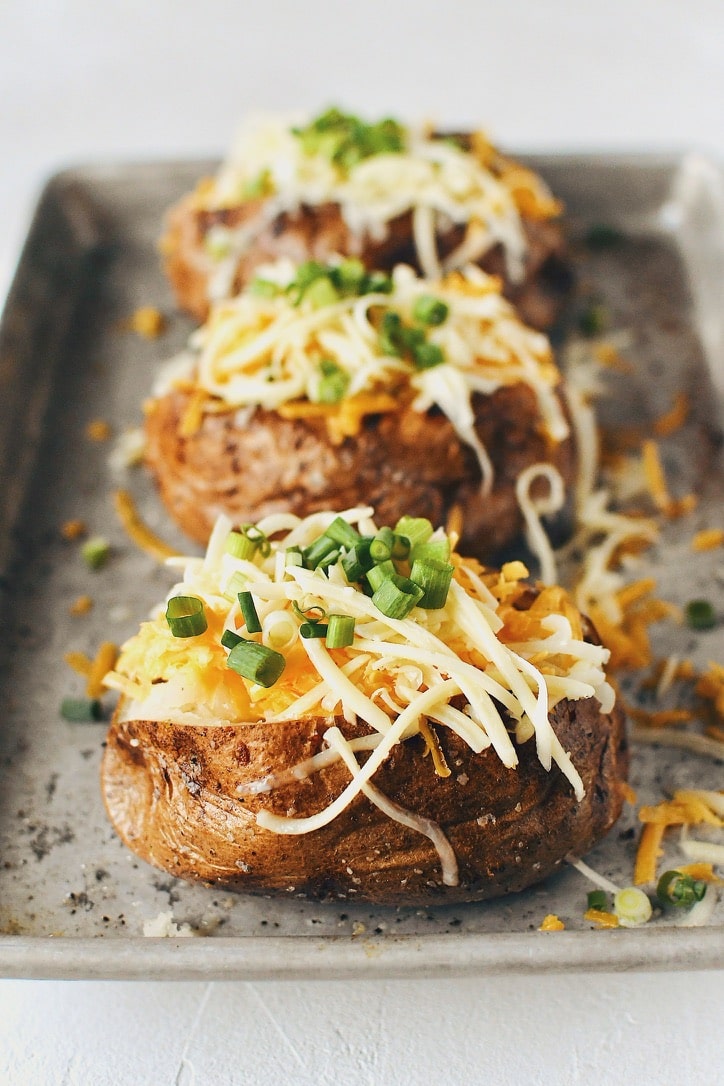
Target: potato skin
[[170, 792], [319, 233], [401, 461]]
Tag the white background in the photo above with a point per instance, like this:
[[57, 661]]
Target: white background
[[84, 81]]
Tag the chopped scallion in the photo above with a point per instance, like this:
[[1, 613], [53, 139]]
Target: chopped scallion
[[186, 616], [246, 542], [357, 560], [341, 531], [700, 615], [340, 631], [598, 899], [257, 663], [415, 529], [397, 596], [382, 545], [96, 552], [294, 556], [632, 907], [381, 572], [434, 578], [310, 630], [427, 355], [680, 890], [81, 710], [318, 550], [248, 610], [230, 639], [430, 310], [436, 550]]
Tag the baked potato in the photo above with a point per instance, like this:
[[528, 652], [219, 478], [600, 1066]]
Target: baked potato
[[337, 186], [325, 382], [410, 729]]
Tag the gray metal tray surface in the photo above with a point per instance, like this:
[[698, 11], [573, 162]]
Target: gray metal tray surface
[[73, 899]]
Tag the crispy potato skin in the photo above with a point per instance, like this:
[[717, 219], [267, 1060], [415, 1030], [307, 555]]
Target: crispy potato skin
[[400, 461], [318, 233], [170, 792]]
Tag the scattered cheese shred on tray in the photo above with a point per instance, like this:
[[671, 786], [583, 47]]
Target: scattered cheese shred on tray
[[601, 918], [551, 922], [81, 606], [98, 430], [137, 530], [648, 853], [148, 322], [708, 539], [673, 419], [103, 663], [79, 662], [73, 529]]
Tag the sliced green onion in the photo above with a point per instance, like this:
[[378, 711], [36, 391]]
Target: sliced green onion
[[248, 610], [246, 542], [340, 631], [400, 546], [294, 556], [230, 639], [389, 335], [317, 550], [378, 283], [380, 572], [81, 710], [258, 186], [430, 310], [632, 907], [96, 552], [264, 288], [321, 293], [237, 583], [315, 613], [341, 531], [700, 615], [358, 560], [598, 899], [602, 236], [256, 662], [680, 890], [427, 355], [310, 630], [333, 382], [186, 616], [329, 559], [434, 578], [435, 550], [594, 320], [349, 275], [396, 596], [415, 529], [382, 545]]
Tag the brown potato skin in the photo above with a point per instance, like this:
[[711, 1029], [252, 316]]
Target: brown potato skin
[[170, 792], [401, 461], [319, 233]]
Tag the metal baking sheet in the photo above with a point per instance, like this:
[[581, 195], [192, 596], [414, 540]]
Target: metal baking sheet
[[72, 899]]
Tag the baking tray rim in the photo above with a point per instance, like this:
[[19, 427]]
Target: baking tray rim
[[345, 957]]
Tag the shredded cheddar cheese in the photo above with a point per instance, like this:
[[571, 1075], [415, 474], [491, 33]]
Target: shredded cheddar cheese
[[708, 539], [140, 533], [98, 430], [551, 922], [103, 662], [674, 418], [148, 322], [648, 853], [601, 918]]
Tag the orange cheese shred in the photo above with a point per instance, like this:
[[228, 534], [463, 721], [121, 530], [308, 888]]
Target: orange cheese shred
[[104, 660], [79, 662], [137, 530], [673, 419], [702, 871], [648, 853], [551, 922], [708, 539], [601, 918], [433, 746]]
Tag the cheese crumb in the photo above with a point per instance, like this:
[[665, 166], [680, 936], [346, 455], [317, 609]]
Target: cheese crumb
[[163, 927], [148, 322]]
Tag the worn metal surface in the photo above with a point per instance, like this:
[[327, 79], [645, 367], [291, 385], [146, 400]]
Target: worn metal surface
[[72, 898]]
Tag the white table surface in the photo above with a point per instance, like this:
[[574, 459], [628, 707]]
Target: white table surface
[[82, 81]]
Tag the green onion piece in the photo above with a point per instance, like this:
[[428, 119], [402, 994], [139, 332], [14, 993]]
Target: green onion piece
[[594, 320], [321, 293], [96, 552], [400, 546], [700, 615], [435, 550], [333, 382], [256, 662], [186, 616], [434, 578], [379, 573], [248, 610], [315, 613], [264, 288], [396, 596], [230, 640], [237, 583], [416, 529], [340, 631], [632, 907], [246, 542], [382, 545], [389, 335], [313, 629], [680, 890], [602, 236], [261, 185], [430, 310], [598, 899], [427, 355], [81, 710], [357, 561], [294, 556], [377, 283], [349, 276], [341, 531], [329, 559], [308, 273], [318, 550]]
